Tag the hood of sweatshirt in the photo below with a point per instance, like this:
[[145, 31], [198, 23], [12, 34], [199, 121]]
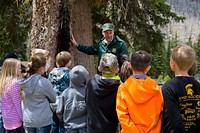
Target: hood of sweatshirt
[[105, 87], [29, 84], [78, 77], [142, 90]]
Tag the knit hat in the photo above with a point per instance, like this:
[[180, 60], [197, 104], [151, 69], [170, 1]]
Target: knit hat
[[10, 55], [14, 55], [108, 26], [109, 63]]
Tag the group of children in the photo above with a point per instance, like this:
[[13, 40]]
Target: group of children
[[120, 99]]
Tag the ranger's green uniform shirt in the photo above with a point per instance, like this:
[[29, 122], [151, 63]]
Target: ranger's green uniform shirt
[[116, 47]]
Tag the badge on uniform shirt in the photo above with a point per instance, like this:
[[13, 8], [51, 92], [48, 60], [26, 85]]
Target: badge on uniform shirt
[[114, 50]]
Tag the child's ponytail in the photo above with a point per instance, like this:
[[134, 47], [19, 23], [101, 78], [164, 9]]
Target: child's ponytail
[[35, 62]]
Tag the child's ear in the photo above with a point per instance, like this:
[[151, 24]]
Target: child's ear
[[147, 69], [117, 70], [68, 64], [99, 68], [129, 65], [172, 64], [42, 70]]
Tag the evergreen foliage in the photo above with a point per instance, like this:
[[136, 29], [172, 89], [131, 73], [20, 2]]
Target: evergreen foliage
[[162, 79], [14, 26], [196, 46], [139, 20], [158, 65]]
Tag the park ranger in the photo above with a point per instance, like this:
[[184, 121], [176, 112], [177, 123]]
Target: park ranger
[[110, 43]]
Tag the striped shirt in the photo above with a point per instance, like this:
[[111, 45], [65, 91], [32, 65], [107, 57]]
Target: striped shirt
[[11, 106]]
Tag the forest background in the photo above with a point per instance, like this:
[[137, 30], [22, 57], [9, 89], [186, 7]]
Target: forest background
[[27, 24]]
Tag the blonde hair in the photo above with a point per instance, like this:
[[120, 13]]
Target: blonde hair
[[63, 58], [40, 51], [36, 61], [184, 56], [9, 71]]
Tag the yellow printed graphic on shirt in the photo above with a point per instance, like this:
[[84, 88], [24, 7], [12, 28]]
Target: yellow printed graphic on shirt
[[189, 89]]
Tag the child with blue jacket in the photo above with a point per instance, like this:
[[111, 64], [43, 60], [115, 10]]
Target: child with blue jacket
[[59, 78]]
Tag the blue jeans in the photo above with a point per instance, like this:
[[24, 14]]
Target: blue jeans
[[57, 126], [79, 130], [45, 129], [18, 130], [2, 129]]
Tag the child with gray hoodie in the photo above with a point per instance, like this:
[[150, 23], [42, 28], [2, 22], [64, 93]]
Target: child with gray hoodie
[[37, 94], [71, 107]]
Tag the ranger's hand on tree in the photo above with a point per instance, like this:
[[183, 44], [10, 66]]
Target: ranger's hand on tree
[[73, 41]]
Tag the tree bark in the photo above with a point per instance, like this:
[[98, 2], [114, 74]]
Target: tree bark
[[46, 23], [81, 26], [45, 26]]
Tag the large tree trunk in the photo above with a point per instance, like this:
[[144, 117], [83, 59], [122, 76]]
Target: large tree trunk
[[45, 26], [81, 25]]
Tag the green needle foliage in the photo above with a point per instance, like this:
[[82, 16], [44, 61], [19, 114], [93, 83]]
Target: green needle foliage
[[14, 27], [139, 20]]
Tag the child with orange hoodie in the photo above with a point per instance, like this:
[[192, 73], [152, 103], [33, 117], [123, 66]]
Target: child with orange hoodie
[[139, 99]]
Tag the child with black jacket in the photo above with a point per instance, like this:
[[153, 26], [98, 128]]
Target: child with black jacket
[[101, 97]]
